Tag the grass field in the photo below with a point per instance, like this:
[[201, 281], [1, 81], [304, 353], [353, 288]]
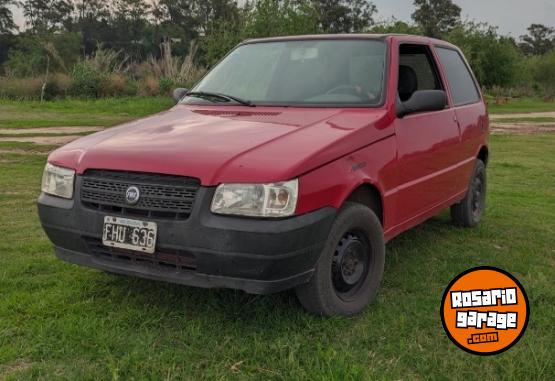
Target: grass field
[[102, 112], [522, 105], [539, 120], [59, 321]]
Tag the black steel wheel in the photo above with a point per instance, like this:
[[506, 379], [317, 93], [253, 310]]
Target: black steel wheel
[[470, 211], [350, 264], [347, 276]]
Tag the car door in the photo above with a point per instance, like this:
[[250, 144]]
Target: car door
[[469, 108], [427, 142]]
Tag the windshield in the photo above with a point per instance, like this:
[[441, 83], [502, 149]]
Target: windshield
[[297, 73]]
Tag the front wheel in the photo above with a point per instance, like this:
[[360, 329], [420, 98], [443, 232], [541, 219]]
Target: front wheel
[[349, 272], [470, 210]]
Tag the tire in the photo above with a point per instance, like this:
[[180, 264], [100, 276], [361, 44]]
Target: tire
[[469, 212], [350, 269]]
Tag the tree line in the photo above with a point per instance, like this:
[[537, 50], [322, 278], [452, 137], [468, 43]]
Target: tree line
[[60, 35]]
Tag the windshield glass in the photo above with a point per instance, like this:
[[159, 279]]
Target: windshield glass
[[300, 72]]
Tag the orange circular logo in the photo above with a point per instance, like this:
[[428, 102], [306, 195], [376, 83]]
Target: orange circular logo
[[485, 311]]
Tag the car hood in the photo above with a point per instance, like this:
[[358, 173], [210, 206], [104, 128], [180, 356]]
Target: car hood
[[228, 143]]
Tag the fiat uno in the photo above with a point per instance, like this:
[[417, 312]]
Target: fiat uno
[[289, 165]]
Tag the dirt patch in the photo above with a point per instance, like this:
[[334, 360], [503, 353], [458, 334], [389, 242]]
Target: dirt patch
[[14, 367], [550, 114], [22, 152], [50, 130], [525, 127], [43, 140], [521, 128]]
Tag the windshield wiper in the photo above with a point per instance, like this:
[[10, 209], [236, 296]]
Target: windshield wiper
[[208, 94]]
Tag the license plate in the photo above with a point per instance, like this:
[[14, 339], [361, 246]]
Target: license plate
[[129, 234]]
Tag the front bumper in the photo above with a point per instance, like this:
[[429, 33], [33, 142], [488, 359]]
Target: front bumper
[[205, 250]]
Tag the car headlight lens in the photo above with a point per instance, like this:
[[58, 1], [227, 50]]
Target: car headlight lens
[[58, 181], [257, 200]]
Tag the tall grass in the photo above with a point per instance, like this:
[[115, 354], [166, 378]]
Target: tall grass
[[174, 69], [109, 73]]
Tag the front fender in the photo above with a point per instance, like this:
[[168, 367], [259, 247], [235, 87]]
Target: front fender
[[333, 183]]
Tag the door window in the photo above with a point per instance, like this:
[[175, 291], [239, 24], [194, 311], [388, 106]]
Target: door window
[[417, 71], [461, 82]]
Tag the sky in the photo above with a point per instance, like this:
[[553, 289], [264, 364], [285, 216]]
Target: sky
[[511, 16]]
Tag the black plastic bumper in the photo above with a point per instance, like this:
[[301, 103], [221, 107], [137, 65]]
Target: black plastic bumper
[[253, 255]]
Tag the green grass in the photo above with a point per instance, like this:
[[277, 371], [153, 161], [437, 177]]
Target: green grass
[[112, 111], [539, 120], [73, 112], [522, 105], [23, 147], [59, 321], [43, 134]]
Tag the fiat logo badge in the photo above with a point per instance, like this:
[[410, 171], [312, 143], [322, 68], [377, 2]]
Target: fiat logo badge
[[132, 195]]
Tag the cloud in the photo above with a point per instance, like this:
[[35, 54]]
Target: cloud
[[511, 16]]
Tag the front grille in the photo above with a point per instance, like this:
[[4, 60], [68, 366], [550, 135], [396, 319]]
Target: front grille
[[163, 257], [161, 196]]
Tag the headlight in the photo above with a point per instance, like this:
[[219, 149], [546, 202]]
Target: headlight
[[58, 181], [256, 200]]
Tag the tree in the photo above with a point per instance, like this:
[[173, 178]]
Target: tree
[[344, 16], [280, 17], [436, 18], [361, 15], [129, 25], [494, 59], [48, 15], [539, 40], [7, 24], [395, 26], [92, 21], [211, 13], [176, 18], [544, 73]]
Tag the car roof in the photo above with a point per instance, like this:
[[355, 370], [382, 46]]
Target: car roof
[[351, 36]]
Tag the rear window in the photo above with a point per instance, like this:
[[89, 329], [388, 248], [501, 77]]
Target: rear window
[[461, 82]]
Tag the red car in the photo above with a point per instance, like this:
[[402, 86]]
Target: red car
[[289, 165]]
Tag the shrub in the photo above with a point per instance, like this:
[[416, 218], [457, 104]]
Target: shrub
[[57, 85], [108, 61], [140, 70], [87, 79], [524, 90], [21, 89], [544, 73], [166, 86], [26, 60], [114, 85], [179, 71], [149, 86], [33, 53], [101, 75]]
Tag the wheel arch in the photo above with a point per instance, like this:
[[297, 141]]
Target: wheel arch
[[368, 195], [483, 154]]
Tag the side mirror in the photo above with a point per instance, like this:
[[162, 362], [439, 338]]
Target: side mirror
[[422, 101], [179, 93]]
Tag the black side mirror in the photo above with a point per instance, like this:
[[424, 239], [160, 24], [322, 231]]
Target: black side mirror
[[422, 101], [179, 93]]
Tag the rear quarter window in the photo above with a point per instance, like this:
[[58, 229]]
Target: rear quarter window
[[462, 85]]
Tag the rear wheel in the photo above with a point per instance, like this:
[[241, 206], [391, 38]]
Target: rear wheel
[[470, 210], [349, 272]]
